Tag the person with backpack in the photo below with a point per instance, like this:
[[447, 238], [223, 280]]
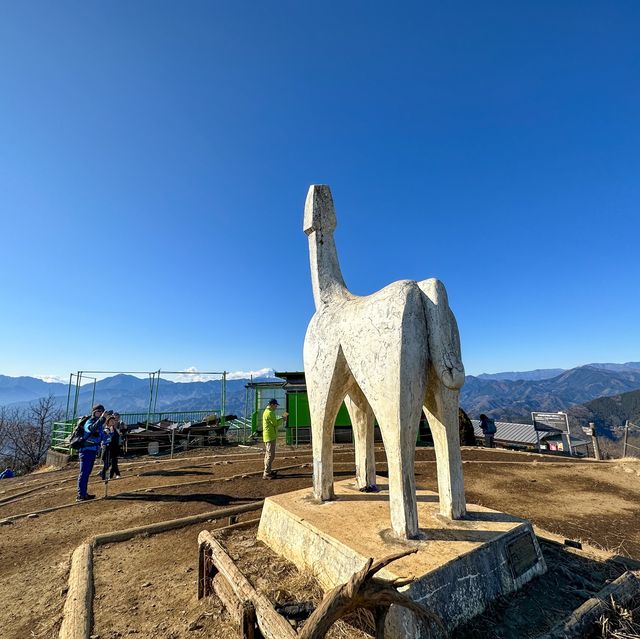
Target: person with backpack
[[111, 449], [91, 430], [488, 427]]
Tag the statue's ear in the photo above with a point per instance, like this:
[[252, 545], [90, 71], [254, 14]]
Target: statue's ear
[[319, 212]]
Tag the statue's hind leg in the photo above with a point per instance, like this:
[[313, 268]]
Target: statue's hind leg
[[441, 409], [362, 421]]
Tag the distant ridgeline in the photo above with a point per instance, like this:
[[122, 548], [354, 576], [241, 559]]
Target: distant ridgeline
[[127, 393], [607, 394], [609, 413], [514, 399]]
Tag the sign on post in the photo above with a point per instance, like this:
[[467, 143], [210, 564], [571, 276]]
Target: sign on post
[[552, 423]]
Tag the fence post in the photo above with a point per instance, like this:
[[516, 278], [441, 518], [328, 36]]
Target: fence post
[[594, 439], [626, 438]]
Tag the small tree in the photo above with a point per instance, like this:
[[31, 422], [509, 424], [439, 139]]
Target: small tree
[[4, 437], [29, 432]]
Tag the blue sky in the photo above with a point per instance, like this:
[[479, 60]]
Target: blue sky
[[155, 157]]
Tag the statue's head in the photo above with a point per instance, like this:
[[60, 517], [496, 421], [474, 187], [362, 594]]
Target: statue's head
[[319, 212]]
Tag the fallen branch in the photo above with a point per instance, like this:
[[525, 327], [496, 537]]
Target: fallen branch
[[364, 590]]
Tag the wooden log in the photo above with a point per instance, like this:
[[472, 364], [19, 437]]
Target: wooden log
[[18, 496], [76, 618], [228, 598], [580, 622], [161, 526], [271, 624]]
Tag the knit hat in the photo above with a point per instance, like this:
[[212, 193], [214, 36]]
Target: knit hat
[[97, 407]]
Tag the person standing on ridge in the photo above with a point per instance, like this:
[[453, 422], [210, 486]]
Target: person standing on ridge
[[269, 435], [488, 427], [93, 437]]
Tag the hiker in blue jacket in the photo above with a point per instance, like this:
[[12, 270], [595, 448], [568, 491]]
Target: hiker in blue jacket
[[94, 437]]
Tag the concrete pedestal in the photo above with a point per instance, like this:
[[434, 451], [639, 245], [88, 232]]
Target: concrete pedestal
[[460, 567]]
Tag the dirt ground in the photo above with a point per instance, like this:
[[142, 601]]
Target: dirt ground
[[593, 502], [162, 601]]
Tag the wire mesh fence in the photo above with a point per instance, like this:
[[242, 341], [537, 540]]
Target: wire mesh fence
[[167, 432]]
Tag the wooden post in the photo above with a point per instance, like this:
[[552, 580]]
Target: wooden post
[[594, 439], [626, 438], [248, 621]]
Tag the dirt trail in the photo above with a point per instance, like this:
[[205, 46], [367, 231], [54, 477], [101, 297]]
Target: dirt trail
[[595, 502]]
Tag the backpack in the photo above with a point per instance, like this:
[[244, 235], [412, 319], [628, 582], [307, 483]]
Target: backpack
[[76, 440], [491, 427]]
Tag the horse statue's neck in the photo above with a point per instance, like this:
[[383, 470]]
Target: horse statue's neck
[[319, 224]]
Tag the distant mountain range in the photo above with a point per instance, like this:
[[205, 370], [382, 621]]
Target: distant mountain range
[[603, 393], [129, 394], [539, 373], [514, 399], [548, 373], [25, 389]]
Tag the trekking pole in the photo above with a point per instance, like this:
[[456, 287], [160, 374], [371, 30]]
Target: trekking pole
[[106, 487]]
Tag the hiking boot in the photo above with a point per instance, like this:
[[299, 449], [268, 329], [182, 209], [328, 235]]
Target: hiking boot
[[85, 497], [116, 477], [372, 488], [271, 476]]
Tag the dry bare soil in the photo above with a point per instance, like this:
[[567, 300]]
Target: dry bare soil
[[146, 587]]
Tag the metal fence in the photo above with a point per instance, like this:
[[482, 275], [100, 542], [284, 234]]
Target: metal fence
[[62, 430]]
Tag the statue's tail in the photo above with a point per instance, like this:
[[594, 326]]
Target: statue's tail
[[444, 338]]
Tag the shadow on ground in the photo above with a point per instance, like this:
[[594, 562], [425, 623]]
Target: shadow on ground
[[215, 499]]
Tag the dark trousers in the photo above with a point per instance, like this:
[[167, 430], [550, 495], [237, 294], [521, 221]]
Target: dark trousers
[[109, 460], [87, 459]]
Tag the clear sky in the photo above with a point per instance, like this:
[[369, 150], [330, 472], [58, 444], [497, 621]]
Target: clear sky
[[155, 157]]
